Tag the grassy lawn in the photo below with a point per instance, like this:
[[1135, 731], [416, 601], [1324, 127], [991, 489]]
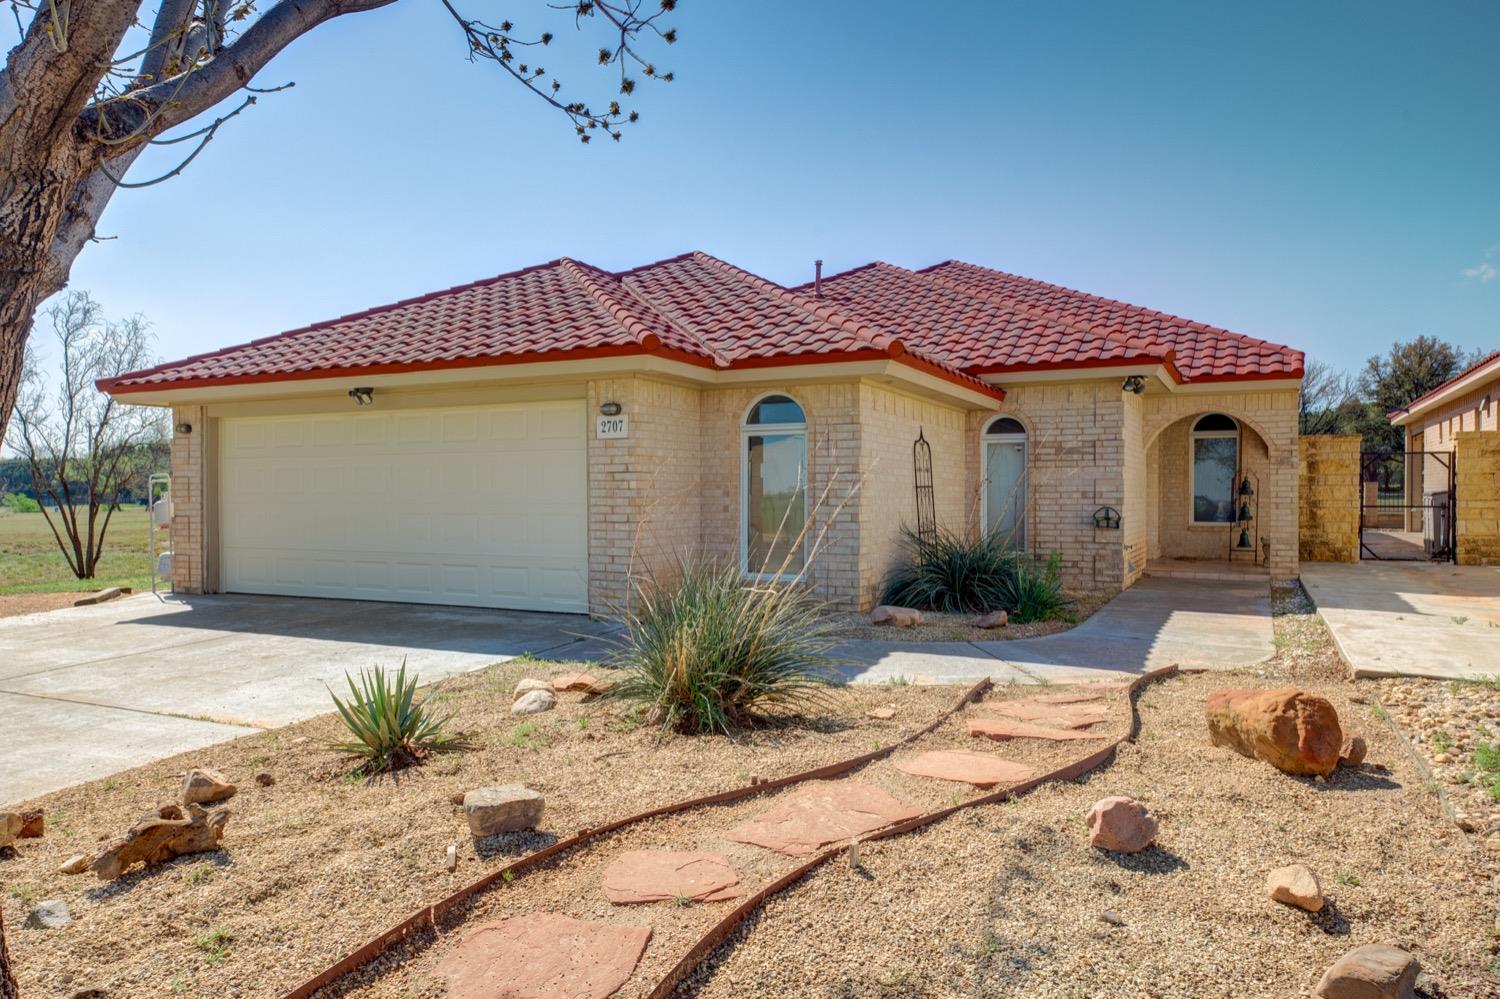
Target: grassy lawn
[[30, 561]]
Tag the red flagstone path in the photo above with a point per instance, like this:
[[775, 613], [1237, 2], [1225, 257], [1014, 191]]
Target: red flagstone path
[[1067, 698], [1060, 717], [660, 875], [965, 767], [1004, 728], [825, 812], [543, 955]]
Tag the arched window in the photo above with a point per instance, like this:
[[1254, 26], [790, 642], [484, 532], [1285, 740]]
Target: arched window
[[1214, 456], [773, 478], [1005, 487]]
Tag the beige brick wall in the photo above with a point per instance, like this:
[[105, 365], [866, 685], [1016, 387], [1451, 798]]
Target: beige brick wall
[[1328, 498], [1477, 410], [190, 469], [1477, 465], [1268, 449], [889, 422]]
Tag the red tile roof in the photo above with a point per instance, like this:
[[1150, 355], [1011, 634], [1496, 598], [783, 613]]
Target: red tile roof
[[954, 320]]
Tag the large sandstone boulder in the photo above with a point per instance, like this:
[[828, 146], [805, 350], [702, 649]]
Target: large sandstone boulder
[[1295, 732], [159, 838], [11, 824], [1297, 885], [527, 685], [889, 615], [508, 808], [201, 786], [1121, 824], [1374, 971], [534, 702], [992, 620]]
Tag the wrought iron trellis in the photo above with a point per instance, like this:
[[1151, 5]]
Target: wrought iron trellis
[[921, 459]]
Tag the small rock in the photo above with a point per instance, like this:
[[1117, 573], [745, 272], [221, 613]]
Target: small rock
[[509, 808], [10, 827], [1353, 753], [583, 682], [881, 714], [201, 786], [33, 825], [90, 992], [1442, 758], [1111, 917], [1464, 822], [265, 778], [1493, 844], [1121, 824], [534, 702], [896, 617], [526, 686], [76, 864], [994, 619], [1295, 885], [1374, 971], [450, 859], [52, 915]]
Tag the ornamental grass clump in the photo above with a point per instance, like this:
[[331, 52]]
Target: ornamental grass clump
[[391, 727], [954, 574], [709, 652]]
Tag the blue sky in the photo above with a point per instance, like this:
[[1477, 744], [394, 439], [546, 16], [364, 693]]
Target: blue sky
[[1323, 175]]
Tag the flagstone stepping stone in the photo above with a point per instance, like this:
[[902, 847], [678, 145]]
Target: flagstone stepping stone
[[1006, 728], [1061, 717], [881, 714], [821, 813], [584, 682], [543, 955], [979, 769], [1082, 697], [662, 875]]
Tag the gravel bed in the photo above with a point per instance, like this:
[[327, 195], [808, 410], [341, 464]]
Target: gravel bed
[[1010, 901], [320, 862], [939, 627]]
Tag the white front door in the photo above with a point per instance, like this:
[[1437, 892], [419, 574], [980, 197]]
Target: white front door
[[1005, 487], [484, 506]]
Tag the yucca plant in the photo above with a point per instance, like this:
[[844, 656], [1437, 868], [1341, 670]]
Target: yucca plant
[[391, 727], [955, 574], [709, 652]]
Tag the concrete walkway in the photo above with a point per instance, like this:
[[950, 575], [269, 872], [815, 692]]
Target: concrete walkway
[[1410, 618], [89, 691], [1157, 622]]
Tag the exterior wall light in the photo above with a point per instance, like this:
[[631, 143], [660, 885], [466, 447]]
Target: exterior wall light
[[362, 396], [1107, 518], [609, 409], [184, 428], [1134, 383]]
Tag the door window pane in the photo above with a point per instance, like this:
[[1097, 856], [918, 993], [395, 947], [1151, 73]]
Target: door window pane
[[1005, 490], [775, 507], [1215, 460]]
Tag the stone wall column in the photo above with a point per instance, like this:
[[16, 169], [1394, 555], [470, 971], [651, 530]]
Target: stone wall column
[[1328, 498], [189, 499], [1476, 457]]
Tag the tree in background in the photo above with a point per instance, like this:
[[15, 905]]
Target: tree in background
[[90, 84], [82, 447], [1329, 403], [1393, 380]]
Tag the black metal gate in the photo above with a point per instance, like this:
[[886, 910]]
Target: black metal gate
[[1407, 506]]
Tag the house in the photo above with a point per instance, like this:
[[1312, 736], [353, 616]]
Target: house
[[530, 440], [1451, 468]]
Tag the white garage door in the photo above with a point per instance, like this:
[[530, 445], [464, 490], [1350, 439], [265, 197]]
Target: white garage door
[[481, 506]]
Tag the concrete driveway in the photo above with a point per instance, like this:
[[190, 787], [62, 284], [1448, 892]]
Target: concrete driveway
[[89, 691], [1155, 623], [1410, 618]]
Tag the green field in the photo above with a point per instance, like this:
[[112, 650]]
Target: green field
[[30, 561]]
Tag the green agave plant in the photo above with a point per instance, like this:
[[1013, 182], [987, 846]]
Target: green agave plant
[[391, 727]]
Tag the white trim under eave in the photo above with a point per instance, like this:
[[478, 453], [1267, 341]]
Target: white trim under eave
[[566, 371], [1445, 394]]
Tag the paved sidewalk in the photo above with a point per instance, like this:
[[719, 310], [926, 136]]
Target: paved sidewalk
[[1410, 618], [1155, 623], [89, 691]]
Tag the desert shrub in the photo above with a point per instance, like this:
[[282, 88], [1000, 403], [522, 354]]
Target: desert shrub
[[708, 651], [391, 727], [17, 503], [959, 575]]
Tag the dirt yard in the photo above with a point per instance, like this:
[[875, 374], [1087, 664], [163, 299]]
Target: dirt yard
[[1000, 900], [936, 627]]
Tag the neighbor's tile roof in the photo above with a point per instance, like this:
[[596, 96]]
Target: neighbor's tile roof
[[955, 320]]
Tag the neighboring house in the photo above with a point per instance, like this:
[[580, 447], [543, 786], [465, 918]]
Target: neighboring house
[[533, 439], [1470, 401]]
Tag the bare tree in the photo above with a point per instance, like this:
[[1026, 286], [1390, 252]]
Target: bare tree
[[1329, 402], [91, 83], [8, 987], [80, 444]]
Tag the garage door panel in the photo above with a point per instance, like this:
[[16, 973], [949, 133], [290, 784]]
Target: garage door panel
[[483, 506]]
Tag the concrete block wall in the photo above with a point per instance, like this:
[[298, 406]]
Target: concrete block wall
[[1269, 449], [889, 422], [1328, 498], [1477, 465]]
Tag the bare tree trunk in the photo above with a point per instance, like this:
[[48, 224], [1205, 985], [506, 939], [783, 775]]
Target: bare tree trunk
[[8, 987]]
